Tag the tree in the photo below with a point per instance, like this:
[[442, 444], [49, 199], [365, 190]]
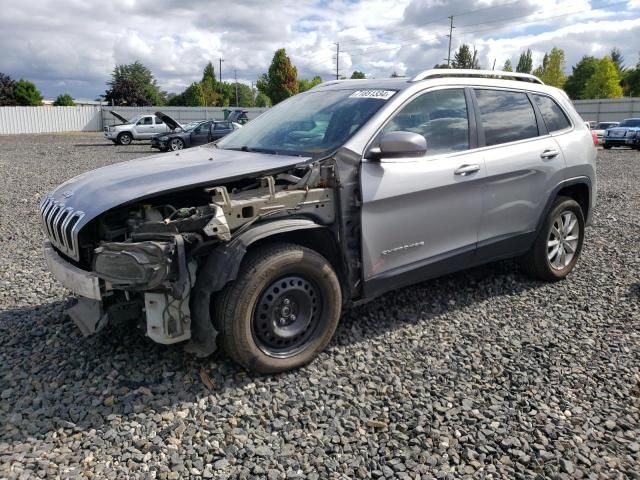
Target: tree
[[507, 66], [395, 75], [64, 100], [281, 81], [551, 71], [135, 85], [631, 82], [525, 62], [193, 96], [262, 100], [464, 58], [617, 59], [27, 94], [245, 95], [7, 91], [581, 72], [441, 65], [356, 75], [209, 86], [304, 84], [605, 81]]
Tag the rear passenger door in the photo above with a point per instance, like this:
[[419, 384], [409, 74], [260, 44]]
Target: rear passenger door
[[524, 163], [220, 129]]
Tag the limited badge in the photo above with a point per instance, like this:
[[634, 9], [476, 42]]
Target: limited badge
[[379, 94]]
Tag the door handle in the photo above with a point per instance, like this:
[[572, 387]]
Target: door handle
[[549, 153], [465, 170]]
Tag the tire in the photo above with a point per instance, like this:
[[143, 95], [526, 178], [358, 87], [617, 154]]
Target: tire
[[125, 138], [540, 262], [606, 147], [176, 144], [274, 282]]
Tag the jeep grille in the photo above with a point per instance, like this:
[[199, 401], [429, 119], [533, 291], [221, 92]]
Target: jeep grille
[[60, 225]]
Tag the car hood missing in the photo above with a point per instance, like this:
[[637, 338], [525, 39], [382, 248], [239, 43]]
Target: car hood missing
[[98, 191]]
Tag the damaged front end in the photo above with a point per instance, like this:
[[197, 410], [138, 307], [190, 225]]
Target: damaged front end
[[160, 261]]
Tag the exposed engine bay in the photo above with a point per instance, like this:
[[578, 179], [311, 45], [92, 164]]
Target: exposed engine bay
[[148, 254]]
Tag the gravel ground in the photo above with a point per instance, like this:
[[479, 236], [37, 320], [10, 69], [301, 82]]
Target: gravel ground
[[482, 374]]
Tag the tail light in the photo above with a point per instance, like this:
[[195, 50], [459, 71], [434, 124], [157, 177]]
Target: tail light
[[594, 136]]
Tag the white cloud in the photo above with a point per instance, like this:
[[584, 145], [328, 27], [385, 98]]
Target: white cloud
[[73, 45]]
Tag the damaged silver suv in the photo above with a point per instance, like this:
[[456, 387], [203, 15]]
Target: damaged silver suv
[[337, 195]]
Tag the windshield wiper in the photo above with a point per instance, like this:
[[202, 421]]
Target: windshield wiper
[[245, 148]]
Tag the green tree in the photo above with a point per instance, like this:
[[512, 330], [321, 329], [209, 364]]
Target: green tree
[[356, 75], [64, 100], [26, 94], [605, 81], [135, 85], [525, 62], [631, 82], [551, 71], [7, 91], [262, 100], [304, 84], [209, 85], [193, 96], [581, 73], [465, 58], [440, 65], [245, 95], [281, 81], [507, 66]]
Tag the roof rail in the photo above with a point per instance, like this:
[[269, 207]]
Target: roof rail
[[456, 72]]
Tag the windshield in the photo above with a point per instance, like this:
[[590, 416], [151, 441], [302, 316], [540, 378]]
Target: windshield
[[190, 126], [605, 125], [630, 122], [309, 124]]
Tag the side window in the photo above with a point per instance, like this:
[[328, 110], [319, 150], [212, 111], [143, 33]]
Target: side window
[[440, 117], [158, 121], [554, 117], [222, 126], [146, 121], [506, 116]]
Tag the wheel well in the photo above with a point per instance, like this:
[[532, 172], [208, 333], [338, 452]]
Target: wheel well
[[321, 240], [580, 193]]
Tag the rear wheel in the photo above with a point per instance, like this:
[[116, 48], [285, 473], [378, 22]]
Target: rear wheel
[[176, 144], [125, 138], [281, 311], [606, 147], [559, 242]]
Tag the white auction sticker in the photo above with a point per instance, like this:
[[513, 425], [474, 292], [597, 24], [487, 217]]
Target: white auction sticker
[[380, 94]]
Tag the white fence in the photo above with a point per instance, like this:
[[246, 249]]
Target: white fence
[[613, 110], [49, 119], [92, 119]]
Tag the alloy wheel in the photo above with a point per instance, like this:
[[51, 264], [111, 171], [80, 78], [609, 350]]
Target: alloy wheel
[[563, 239]]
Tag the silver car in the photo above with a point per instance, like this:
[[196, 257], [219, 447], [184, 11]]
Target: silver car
[[140, 127], [352, 189]]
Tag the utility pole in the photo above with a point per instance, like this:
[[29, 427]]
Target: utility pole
[[220, 69], [337, 61], [494, 64], [235, 77], [451, 27]]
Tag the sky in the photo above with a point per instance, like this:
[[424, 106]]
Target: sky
[[72, 46]]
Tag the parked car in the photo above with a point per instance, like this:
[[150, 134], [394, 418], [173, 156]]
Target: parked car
[[601, 127], [627, 134], [239, 116], [195, 134], [330, 198], [140, 127]]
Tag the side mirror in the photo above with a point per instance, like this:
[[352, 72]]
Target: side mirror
[[398, 145]]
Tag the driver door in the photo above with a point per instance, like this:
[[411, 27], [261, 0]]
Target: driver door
[[420, 215], [201, 134], [145, 128]]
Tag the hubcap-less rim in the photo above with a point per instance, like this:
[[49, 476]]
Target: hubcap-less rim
[[126, 139], [176, 144], [287, 316], [563, 240]]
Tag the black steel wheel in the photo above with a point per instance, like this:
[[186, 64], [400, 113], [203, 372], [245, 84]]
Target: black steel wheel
[[282, 309]]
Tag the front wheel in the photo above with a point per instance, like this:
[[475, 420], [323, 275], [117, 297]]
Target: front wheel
[[559, 242], [176, 144], [282, 309], [606, 147], [125, 138]]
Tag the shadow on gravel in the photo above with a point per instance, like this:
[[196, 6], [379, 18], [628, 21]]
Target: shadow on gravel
[[51, 377], [87, 145]]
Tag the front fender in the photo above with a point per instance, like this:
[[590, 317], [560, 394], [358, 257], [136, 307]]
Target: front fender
[[221, 267]]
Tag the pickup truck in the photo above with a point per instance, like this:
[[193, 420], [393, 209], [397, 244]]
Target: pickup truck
[[140, 127]]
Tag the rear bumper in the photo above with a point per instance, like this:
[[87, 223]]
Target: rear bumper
[[80, 282]]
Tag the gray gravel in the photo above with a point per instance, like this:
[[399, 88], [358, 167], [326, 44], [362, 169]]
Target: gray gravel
[[482, 374]]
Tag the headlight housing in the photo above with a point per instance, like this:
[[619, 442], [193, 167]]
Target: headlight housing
[[134, 266]]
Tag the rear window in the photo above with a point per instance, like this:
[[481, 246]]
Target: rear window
[[506, 116], [554, 117]]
